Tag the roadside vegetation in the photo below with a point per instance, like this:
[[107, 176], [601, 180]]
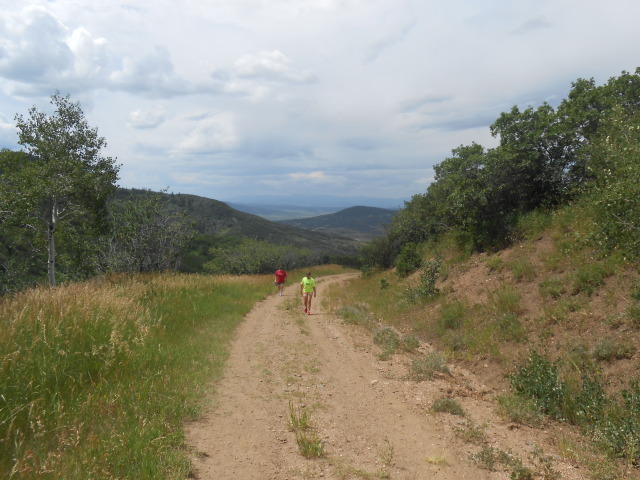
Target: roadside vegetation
[[98, 377], [526, 257]]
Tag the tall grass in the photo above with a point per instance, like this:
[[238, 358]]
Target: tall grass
[[96, 378]]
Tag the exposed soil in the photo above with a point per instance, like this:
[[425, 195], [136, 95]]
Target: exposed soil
[[374, 422]]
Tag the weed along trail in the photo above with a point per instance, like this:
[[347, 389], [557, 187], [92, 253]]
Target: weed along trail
[[308, 397]]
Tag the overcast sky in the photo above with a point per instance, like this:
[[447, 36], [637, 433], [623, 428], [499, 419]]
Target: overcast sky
[[230, 99]]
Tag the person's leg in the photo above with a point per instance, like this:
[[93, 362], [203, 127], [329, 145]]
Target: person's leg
[[309, 303]]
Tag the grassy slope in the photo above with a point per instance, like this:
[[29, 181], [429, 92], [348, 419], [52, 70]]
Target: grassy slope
[[550, 292], [97, 378]]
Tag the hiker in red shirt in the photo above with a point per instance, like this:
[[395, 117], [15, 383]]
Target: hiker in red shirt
[[281, 278]]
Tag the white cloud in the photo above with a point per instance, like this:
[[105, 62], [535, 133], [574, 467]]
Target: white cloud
[[33, 45], [316, 177], [147, 118], [273, 65], [211, 135], [8, 133], [350, 96]]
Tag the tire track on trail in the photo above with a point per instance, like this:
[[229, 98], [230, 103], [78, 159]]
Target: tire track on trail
[[373, 421]]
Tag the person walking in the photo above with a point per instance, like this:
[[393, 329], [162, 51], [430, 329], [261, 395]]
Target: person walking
[[281, 278], [308, 291]]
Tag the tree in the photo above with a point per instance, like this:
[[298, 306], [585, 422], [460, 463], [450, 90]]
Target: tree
[[248, 256], [147, 236], [615, 196], [63, 182]]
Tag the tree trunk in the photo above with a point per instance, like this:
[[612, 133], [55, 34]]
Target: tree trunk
[[51, 244]]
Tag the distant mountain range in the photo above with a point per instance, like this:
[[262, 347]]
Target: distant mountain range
[[282, 212], [339, 233], [359, 223], [213, 217]]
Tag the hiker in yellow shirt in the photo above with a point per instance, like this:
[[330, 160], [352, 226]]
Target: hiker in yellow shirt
[[307, 290]]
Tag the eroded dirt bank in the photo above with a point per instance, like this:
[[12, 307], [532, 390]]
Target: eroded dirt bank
[[374, 422]]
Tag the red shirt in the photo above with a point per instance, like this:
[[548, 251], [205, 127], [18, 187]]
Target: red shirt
[[281, 276]]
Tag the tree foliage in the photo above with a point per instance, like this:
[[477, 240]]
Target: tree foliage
[[546, 157], [147, 236], [57, 187], [615, 197], [251, 256]]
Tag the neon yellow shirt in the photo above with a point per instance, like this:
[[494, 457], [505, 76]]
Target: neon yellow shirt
[[308, 284]]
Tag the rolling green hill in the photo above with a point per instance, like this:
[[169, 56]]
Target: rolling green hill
[[359, 223], [213, 217]]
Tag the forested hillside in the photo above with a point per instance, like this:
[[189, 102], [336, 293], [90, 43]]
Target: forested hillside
[[585, 150], [360, 223], [63, 218]]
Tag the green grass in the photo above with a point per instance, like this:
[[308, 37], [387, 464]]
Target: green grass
[[447, 405], [97, 378]]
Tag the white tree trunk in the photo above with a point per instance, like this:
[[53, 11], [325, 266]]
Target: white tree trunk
[[51, 244]]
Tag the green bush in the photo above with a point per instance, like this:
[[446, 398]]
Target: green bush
[[615, 163], [505, 299], [452, 314], [357, 315], [408, 261], [428, 277], [538, 379], [520, 409], [409, 343], [589, 277], [552, 287], [522, 270]]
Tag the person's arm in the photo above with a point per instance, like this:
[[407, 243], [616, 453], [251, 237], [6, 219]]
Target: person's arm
[[314, 290]]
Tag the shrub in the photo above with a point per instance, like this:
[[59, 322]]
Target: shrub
[[505, 299], [409, 343], [356, 315], [510, 328], [428, 277], [408, 261], [552, 287], [522, 269], [447, 405], [519, 409], [538, 379], [588, 278], [388, 339], [615, 163], [452, 314], [633, 313], [426, 367], [608, 349], [494, 264]]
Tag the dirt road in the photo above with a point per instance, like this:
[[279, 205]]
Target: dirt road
[[373, 421]]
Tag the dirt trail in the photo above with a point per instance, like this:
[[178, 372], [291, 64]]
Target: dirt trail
[[375, 423]]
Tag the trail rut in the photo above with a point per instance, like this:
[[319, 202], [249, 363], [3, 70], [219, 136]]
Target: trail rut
[[375, 423]]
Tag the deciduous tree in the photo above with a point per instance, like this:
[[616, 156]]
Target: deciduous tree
[[63, 180]]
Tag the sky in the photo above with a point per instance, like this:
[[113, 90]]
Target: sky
[[301, 101]]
